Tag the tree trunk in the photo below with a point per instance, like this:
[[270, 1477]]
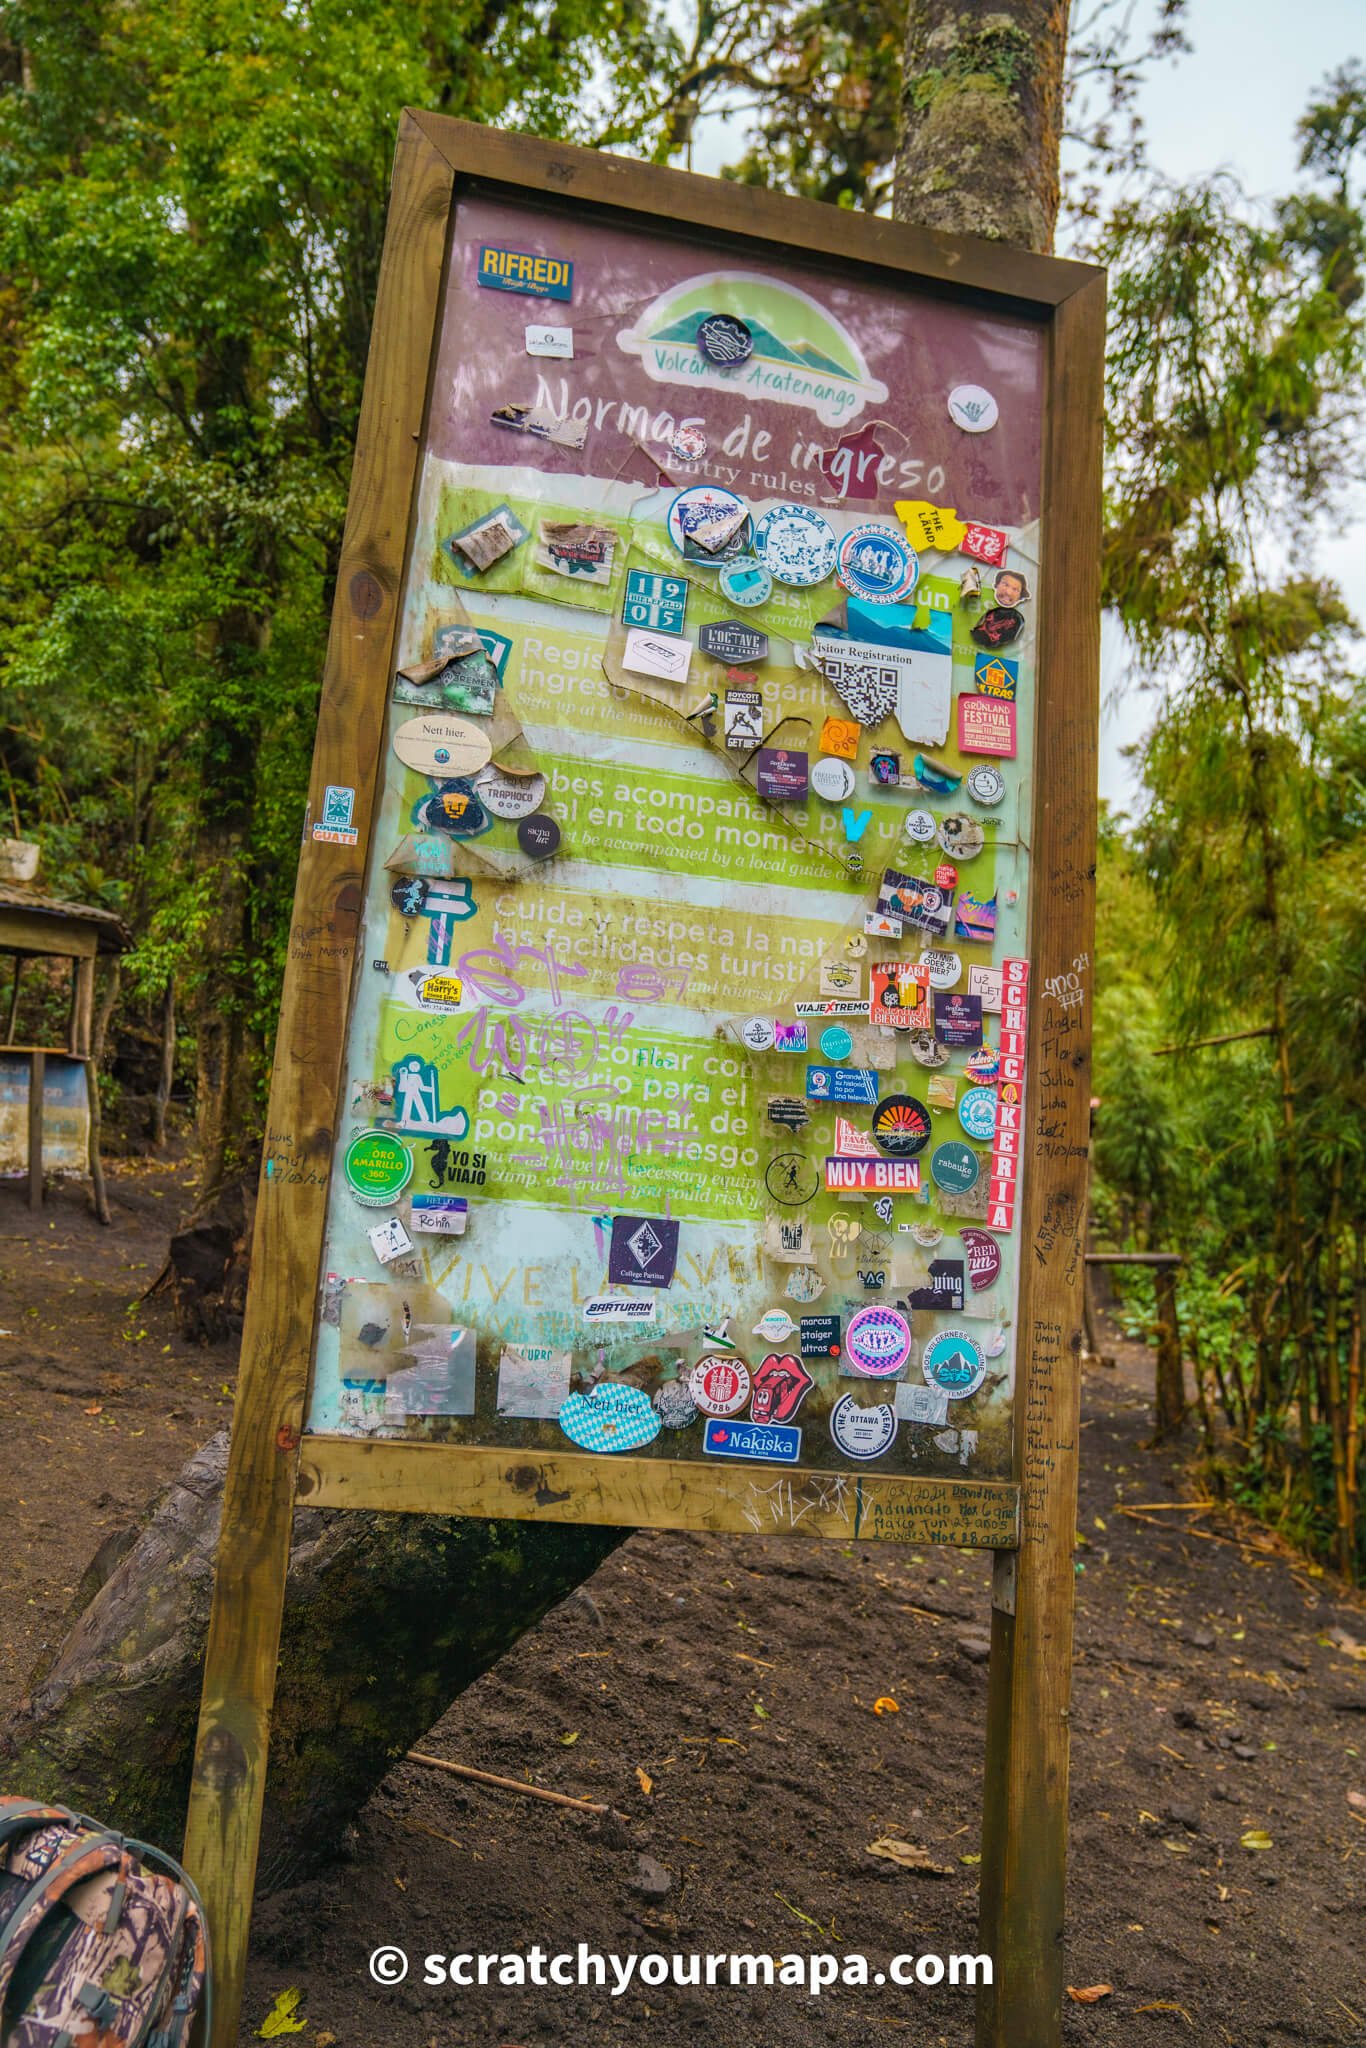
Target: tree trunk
[[982, 97], [1171, 1386], [388, 1618]]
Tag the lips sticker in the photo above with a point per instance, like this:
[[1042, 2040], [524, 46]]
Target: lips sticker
[[781, 1384]]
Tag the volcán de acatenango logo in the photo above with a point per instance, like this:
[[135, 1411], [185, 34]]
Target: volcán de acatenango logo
[[802, 355]]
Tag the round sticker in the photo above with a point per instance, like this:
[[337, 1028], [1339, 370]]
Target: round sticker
[[833, 779], [953, 1362], [796, 544], [538, 836], [984, 1063], [926, 1235], [409, 893], [378, 1167], [878, 1341], [877, 564], [944, 968], [1000, 627], [954, 1167], [508, 792], [994, 1343], [746, 582], [901, 1126], [758, 1033], [674, 1405], [925, 1047], [719, 1385], [836, 1042], [984, 1259], [791, 1178], [454, 808], [918, 826], [441, 745], [862, 1432], [689, 444], [973, 408], [946, 874], [724, 339], [985, 784], [701, 507], [961, 836], [977, 1113]]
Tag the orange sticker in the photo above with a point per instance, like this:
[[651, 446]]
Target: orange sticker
[[840, 736]]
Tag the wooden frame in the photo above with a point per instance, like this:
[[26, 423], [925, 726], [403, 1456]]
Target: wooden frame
[[1029, 1522]]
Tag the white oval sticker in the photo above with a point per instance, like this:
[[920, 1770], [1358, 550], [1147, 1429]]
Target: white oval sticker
[[441, 745]]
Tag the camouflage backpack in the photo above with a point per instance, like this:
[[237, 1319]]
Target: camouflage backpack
[[96, 1949]]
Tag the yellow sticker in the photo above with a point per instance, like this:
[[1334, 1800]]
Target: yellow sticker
[[441, 988], [931, 526]]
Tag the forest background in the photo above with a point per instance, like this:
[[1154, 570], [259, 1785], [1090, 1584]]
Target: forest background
[[192, 199]]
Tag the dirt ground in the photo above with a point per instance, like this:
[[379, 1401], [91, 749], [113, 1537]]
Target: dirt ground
[[1216, 1693]]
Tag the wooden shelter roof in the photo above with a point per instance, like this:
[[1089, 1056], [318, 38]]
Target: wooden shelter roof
[[49, 920]]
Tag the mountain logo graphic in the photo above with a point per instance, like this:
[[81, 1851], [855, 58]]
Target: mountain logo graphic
[[802, 355], [645, 1245]]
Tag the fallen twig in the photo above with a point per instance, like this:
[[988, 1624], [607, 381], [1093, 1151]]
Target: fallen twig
[[439, 1763]]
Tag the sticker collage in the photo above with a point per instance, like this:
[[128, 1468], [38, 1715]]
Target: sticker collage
[[685, 1071]]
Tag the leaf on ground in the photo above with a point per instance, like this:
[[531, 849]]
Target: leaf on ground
[[1089, 1994], [568, 1741], [886, 1705], [909, 1855], [284, 2016], [647, 1783], [760, 1711], [1256, 1838]]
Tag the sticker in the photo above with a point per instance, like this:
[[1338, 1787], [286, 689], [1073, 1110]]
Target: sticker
[[620, 1308], [440, 1215], [961, 836], [542, 422], [688, 444], [984, 1064], [901, 1126], [459, 679], [877, 924], [510, 793], [582, 553], [993, 676], [955, 1167], [974, 917], [796, 544], [935, 776], [899, 995], [957, 1018], [719, 1385], [514, 270], [744, 718], [836, 1043], [877, 564], [985, 785], [767, 1442], [918, 826], [1000, 627], [820, 1336], [389, 1240], [378, 1167], [758, 1033], [994, 1343], [945, 1291], [789, 1037], [612, 1418], [984, 1259], [533, 1382], [840, 736], [787, 1241], [746, 582], [654, 654], [644, 1251], [724, 338], [930, 526], [440, 992], [927, 1235], [878, 1341], [792, 1179], [454, 808], [842, 1084], [774, 1326], [953, 1363], [780, 775], [945, 875], [485, 540], [417, 1101], [788, 1111], [972, 408], [845, 1006], [985, 544], [846, 1176], [708, 524], [804, 1284], [921, 903], [781, 1384], [862, 1432], [986, 725], [941, 1091], [833, 779], [925, 1047], [943, 968], [441, 745], [335, 826], [986, 983], [538, 836], [977, 1113], [673, 1404], [855, 824], [921, 1404], [655, 603], [729, 641], [550, 341], [851, 1142]]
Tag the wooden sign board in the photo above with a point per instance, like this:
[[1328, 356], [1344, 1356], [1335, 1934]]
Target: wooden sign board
[[681, 1098]]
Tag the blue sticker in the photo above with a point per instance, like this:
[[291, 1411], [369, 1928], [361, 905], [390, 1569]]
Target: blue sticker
[[514, 270], [746, 582], [657, 603], [774, 1442], [994, 676], [836, 1043], [953, 1362], [855, 824], [338, 805], [417, 1101], [612, 1418], [842, 1084], [977, 1112], [877, 564]]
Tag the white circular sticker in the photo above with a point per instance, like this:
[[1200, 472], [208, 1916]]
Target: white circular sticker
[[862, 1432], [796, 544], [719, 1385], [833, 779], [441, 745], [758, 1033], [973, 408], [944, 968], [986, 785], [510, 792], [919, 826]]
